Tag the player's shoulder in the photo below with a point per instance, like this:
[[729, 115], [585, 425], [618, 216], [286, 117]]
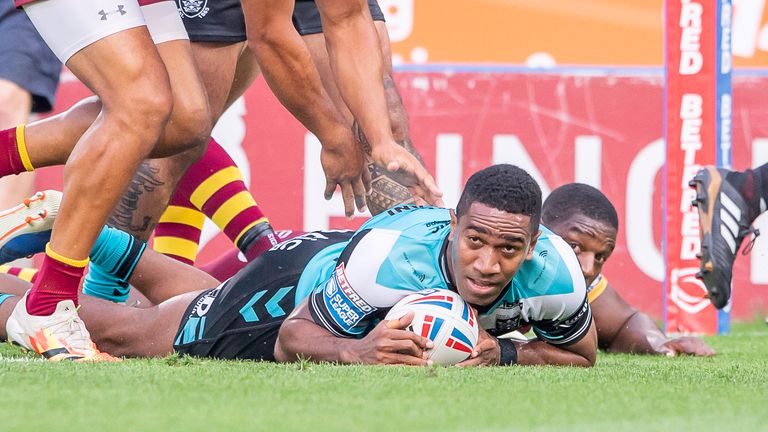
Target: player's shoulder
[[552, 270], [412, 221]]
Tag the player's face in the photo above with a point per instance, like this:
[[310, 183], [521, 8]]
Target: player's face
[[487, 247], [592, 241]]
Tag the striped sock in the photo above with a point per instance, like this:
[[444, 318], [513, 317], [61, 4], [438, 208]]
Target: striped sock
[[23, 273], [215, 186], [177, 234], [14, 158]]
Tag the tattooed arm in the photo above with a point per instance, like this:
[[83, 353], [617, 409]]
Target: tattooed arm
[[387, 191]]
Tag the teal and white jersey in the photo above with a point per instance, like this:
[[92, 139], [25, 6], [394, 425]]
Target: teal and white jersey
[[404, 250]]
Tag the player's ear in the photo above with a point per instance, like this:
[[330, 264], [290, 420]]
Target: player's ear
[[454, 221], [534, 239]]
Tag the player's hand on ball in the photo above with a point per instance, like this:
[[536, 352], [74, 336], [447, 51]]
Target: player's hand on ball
[[686, 345], [408, 171], [344, 165], [391, 343], [486, 352]]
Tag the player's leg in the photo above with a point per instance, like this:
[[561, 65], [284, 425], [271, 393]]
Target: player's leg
[[119, 260], [125, 331], [217, 37], [728, 202], [133, 86], [135, 332], [186, 135], [214, 181]]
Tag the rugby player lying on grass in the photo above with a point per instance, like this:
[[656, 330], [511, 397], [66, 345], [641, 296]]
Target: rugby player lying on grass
[[321, 295], [588, 222]]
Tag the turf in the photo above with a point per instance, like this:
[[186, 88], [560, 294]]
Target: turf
[[728, 392]]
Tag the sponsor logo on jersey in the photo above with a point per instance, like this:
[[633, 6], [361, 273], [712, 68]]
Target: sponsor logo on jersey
[[194, 8], [314, 236], [344, 303], [401, 208], [416, 273], [574, 319], [437, 226], [204, 303]]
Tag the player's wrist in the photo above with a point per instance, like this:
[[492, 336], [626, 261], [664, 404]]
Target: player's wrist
[[507, 352]]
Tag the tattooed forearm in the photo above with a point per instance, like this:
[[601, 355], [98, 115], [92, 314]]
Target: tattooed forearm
[[386, 192], [146, 179]]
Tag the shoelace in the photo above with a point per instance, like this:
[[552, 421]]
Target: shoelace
[[73, 331], [42, 214], [755, 234], [39, 196]]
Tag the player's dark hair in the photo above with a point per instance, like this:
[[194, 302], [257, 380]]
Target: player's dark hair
[[578, 198], [504, 187]]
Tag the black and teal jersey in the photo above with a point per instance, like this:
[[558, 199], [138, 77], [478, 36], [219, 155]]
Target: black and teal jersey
[[404, 250], [351, 279]]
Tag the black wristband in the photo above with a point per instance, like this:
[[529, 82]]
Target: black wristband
[[508, 354]]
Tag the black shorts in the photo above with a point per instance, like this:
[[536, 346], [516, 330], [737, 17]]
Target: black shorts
[[223, 20], [213, 20], [25, 59], [306, 17], [240, 318]]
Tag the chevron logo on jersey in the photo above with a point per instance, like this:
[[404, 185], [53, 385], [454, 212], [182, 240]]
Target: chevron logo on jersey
[[459, 341], [431, 327], [442, 301]]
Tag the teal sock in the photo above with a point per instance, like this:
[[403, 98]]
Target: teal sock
[[101, 284], [113, 258], [4, 297]]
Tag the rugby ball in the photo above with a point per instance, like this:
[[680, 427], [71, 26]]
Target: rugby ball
[[443, 317]]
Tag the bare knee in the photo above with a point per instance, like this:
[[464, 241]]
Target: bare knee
[[141, 106], [189, 127]]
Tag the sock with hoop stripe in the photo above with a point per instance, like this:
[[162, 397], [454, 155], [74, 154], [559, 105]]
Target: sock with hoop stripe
[[214, 186], [13, 152]]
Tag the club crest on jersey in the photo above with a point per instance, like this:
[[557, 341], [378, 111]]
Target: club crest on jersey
[[194, 8]]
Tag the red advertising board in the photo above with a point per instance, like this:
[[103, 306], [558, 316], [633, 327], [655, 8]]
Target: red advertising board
[[694, 92], [605, 129]]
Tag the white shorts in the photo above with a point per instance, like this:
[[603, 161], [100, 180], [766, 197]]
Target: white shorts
[[69, 26]]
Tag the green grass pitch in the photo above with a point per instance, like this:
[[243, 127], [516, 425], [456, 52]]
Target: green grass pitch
[[725, 393]]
